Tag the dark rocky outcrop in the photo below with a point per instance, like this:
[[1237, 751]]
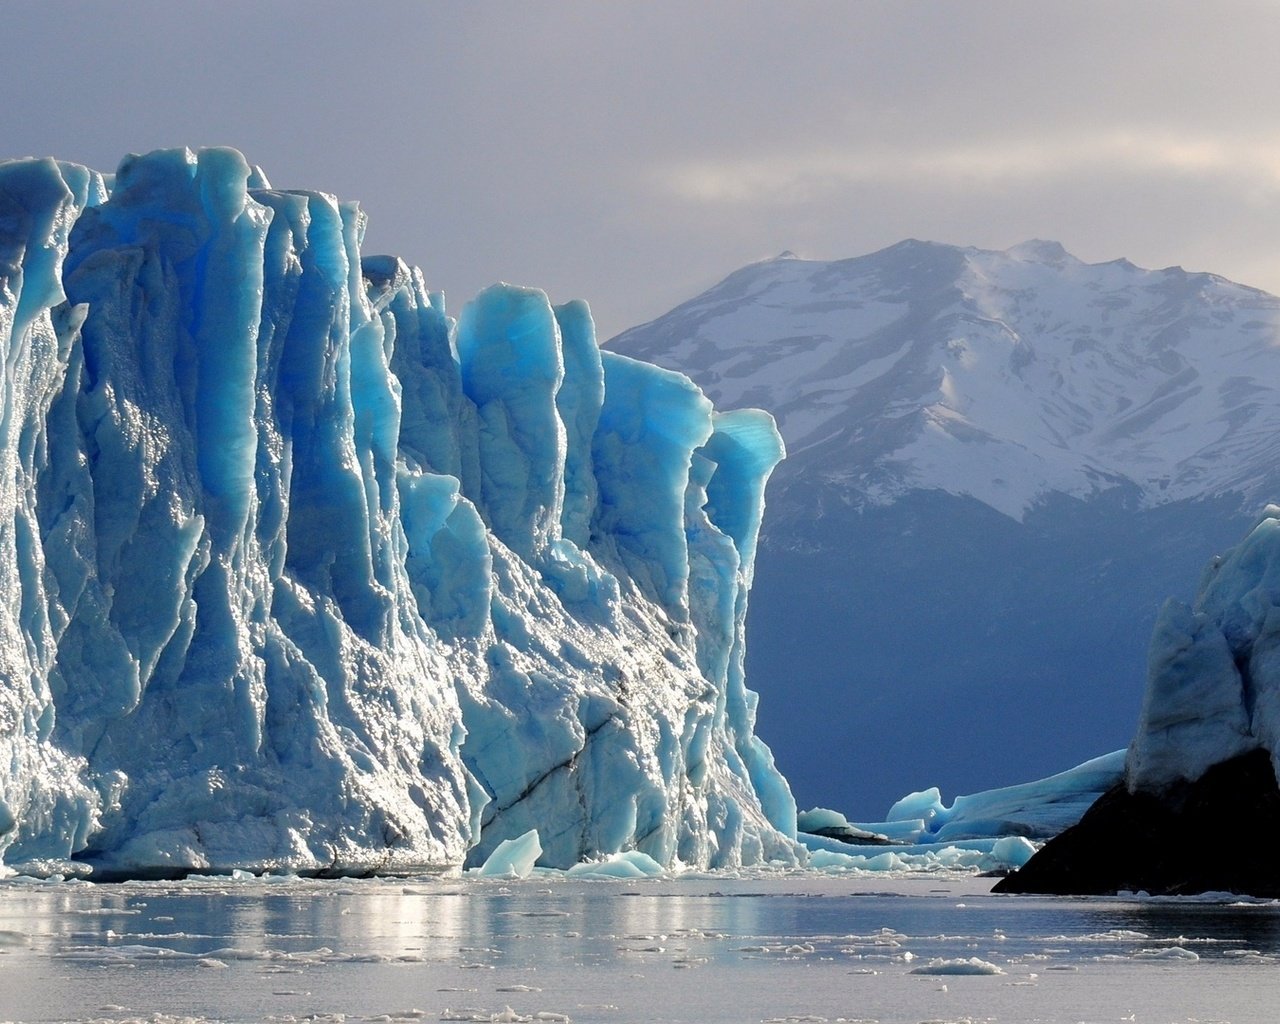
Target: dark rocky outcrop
[[1174, 842]]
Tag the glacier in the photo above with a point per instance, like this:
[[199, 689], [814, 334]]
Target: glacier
[[305, 575]]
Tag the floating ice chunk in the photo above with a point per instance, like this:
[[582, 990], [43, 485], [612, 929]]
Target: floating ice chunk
[[925, 804], [970, 965], [1008, 854], [1173, 953], [907, 831], [504, 1016], [830, 860], [1116, 935], [817, 818], [629, 864], [514, 858], [1035, 810], [834, 825], [1002, 854]]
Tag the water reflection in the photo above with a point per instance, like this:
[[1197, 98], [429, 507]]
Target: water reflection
[[1251, 926], [698, 949]]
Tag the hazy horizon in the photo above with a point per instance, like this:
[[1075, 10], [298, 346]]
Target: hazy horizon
[[634, 156]]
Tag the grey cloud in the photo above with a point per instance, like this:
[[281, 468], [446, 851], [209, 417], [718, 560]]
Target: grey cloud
[[563, 144]]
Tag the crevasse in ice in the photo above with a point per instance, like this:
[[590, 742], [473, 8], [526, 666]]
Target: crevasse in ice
[[300, 574]]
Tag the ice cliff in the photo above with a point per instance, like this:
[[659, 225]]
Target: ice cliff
[[301, 574]]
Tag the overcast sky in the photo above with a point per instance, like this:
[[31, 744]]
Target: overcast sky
[[634, 154]]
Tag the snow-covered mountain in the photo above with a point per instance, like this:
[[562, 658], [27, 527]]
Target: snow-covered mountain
[[1000, 375], [999, 464], [300, 574]]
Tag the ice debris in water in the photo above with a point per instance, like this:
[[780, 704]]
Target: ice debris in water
[[960, 965], [1168, 953], [303, 575], [504, 1016], [514, 858], [630, 864]]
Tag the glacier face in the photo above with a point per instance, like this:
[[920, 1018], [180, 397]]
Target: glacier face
[[305, 575]]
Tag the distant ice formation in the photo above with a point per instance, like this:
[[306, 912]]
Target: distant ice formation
[[1213, 689], [299, 574], [1037, 809], [997, 830]]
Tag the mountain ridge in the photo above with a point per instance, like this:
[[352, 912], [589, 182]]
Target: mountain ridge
[[941, 348]]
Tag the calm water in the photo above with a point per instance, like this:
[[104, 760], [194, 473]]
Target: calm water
[[782, 948]]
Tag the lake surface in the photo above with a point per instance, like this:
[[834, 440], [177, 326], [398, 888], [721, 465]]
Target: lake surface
[[791, 947]]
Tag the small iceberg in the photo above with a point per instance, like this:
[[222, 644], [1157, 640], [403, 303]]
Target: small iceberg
[[513, 858]]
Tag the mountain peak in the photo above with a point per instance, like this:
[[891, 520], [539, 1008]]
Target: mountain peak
[[913, 245], [1040, 250]]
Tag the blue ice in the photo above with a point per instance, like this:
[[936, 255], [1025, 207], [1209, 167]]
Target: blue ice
[[309, 576]]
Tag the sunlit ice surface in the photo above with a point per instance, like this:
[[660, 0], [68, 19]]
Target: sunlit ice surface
[[706, 948]]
